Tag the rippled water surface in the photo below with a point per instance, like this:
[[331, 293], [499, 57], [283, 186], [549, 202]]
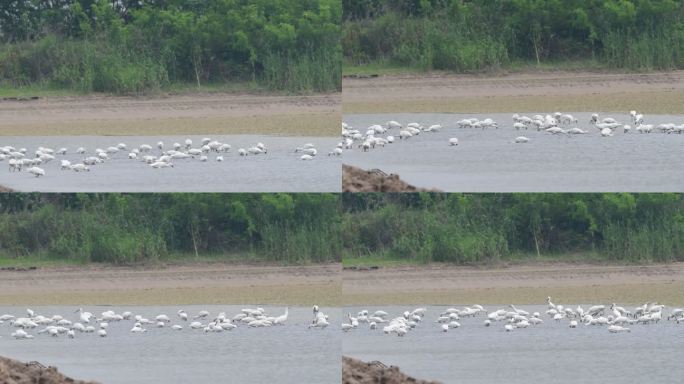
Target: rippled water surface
[[547, 353], [281, 170], [490, 161], [283, 354]]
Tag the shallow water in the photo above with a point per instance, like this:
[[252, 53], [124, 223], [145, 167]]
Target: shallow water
[[547, 353], [490, 161], [281, 170], [284, 354]]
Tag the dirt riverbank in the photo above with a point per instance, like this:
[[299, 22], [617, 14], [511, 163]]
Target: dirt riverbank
[[211, 113], [545, 91], [524, 284], [214, 283]]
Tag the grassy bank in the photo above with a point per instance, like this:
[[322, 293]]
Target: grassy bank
[[46, 89], [46, 260], [387, 259], [385, 67]]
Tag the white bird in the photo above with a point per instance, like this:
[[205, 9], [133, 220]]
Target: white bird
[[84, 316], [617, 329], [521, 139], [161, 164], [80, 168], [36, 171], [282, 318], [453, 141], [21, 334], [201, 315]]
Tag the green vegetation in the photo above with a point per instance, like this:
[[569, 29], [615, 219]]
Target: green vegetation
[[138, 228], [459, 35], [131, 46], [360, 229], [491, 228]]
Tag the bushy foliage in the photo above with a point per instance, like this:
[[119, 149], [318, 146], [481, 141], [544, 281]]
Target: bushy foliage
[[481, 228], [131, 228], [473, 35], [133, 46]]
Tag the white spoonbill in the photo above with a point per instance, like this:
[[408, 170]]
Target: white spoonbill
[[36, 171], [282, 318]]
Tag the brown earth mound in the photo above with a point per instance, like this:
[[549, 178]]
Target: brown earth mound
[[16, 372], [359, 180], [358, 372]]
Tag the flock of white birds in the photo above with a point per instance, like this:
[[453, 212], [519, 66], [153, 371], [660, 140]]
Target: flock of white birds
[[87, 323], [20, 159], [377, 136], [615, 318]]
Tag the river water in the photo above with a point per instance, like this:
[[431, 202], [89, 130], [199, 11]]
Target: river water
[[280, 170], [284, 354], [490, 161], [547, 353]]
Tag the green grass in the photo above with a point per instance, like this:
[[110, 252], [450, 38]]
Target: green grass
[[559, 65], [381, 260], [517, 258], [207, 258], [43, 260], [382, 68], [385, 68], [36, 260], [37, 90], [589, 257], [243, 87]]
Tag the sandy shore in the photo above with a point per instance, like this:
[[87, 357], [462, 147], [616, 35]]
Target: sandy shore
[[213, 113], [526, 284], [661, 93], [175, 285]]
